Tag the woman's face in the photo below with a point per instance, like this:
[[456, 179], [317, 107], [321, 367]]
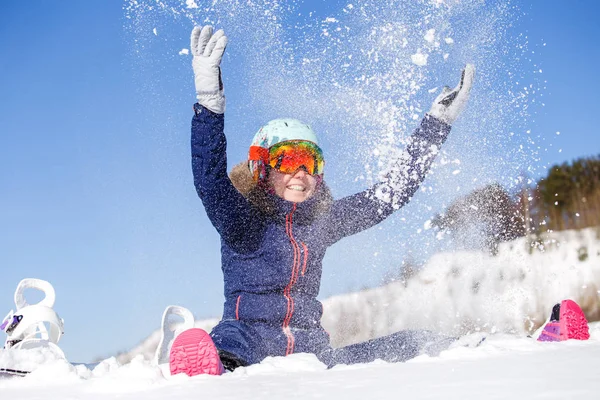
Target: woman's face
[[295, 187]]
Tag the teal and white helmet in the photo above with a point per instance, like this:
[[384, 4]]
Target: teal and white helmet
[[275, 131]]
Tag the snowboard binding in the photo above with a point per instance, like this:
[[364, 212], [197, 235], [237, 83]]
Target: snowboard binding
[[33, 325], [185, 349], [170, 330]]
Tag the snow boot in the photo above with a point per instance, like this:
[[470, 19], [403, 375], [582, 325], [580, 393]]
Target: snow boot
[[193, 353], [567, 321]]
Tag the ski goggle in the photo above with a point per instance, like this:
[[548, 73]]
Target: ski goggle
[[288, 157]]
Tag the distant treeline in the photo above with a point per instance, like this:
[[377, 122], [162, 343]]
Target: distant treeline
[[567, 198]]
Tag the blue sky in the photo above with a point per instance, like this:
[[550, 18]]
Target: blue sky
[[97, 194]]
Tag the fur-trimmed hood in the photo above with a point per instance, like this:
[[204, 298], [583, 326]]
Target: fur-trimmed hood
[[272, 205]]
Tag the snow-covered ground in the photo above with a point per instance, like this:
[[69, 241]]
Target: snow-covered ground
[[502, 367]]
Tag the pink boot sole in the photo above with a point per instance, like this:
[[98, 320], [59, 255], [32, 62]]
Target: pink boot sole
[[574, 321], [193, 353], [566, 322]]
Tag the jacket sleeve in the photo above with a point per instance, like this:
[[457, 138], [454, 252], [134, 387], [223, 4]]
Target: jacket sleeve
[[363, 210], [228, 210]]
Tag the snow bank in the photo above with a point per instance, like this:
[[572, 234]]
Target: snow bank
[[462, 292]]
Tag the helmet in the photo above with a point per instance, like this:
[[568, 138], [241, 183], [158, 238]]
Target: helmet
[[282, 130], [276, 131]]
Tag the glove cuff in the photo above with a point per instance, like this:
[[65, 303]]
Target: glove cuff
[[440, 115], [214, 101]]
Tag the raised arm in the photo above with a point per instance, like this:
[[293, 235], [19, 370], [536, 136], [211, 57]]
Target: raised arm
[[363, 210], [227, 209]]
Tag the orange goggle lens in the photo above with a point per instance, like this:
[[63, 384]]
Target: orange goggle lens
[[288, 157]]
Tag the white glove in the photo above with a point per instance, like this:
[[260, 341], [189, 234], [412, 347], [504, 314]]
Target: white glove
[[450, 103], [208, 50]]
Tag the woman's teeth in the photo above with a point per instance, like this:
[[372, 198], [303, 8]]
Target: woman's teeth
[[298, 188]]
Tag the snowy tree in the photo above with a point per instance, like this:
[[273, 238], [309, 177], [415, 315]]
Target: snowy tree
[[482, 219]]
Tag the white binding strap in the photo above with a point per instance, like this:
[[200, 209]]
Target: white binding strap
[[38, 284], [37, 322], [168, 335]]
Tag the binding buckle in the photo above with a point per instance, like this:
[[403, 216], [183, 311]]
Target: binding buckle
[[16, 319], [6, 320]]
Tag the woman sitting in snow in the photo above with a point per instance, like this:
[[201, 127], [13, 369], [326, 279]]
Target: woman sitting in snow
[[276, 218]]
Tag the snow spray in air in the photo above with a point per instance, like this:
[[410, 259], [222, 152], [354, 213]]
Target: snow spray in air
[[363, 73]]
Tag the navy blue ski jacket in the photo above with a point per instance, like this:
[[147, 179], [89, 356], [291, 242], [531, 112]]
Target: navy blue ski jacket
[[272, 249]]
